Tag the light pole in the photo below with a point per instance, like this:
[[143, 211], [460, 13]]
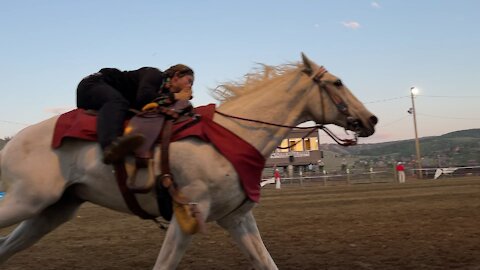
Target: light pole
[[413, 92]]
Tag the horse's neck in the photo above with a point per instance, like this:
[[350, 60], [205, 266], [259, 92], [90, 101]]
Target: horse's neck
[[279, 106]]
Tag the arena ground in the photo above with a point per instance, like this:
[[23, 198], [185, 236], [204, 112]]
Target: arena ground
[[431, 224]]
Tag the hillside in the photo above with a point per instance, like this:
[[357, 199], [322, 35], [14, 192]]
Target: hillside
[[454, 148]]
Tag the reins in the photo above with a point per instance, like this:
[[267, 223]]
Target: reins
[[340, 141]]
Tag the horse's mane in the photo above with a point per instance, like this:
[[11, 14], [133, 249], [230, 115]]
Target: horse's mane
[[260, 78]]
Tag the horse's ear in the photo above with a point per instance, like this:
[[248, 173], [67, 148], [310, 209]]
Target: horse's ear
[[308, 65]]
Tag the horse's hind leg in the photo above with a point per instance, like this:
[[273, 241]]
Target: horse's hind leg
[[31, 230], [31, 174], [33, 183], [22, 202], [244, 231]]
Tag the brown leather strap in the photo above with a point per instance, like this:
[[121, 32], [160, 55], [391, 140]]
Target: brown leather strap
[[128, 196], [166, 181], [165, 143], [166, 177]]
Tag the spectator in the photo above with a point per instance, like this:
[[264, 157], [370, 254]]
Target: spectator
[[321, 166], [276, 175], [344, 165], [400, 172]]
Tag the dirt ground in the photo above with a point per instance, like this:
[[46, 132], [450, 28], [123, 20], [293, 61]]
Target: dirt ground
[[431, 224]]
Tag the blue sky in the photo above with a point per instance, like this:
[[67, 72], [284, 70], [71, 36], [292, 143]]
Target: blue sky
[[379, 48]]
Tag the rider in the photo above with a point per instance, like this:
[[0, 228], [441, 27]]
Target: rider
[[113, 92]]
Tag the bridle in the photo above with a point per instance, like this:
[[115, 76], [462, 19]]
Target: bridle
[[340, 104], [342, 107]]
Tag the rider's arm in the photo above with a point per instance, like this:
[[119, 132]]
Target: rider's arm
[[150, 80]]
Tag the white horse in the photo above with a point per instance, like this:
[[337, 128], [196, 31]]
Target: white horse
[[45, 187]]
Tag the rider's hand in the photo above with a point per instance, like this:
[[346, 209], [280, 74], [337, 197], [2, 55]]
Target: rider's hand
[[185, 94], [165, 99], [150, 106]]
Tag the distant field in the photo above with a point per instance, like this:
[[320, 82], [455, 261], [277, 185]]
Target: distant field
[[430, 224]]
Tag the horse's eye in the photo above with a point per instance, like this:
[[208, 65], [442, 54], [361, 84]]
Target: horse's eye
[[338, 83]]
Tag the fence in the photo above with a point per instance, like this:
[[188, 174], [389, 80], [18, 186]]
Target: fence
[[384, 175], [336, 178], [449, 172]]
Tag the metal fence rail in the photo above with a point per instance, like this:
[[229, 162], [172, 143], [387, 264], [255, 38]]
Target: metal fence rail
[[338, 178], [362, 176]]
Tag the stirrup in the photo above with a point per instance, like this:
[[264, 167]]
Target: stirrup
[[141, 175]]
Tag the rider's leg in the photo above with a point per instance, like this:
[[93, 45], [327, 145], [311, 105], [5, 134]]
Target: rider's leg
[[94, 93]]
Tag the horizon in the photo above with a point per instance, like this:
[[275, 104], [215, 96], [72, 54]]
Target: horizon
[[409, 139]]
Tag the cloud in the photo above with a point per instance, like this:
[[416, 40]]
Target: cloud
[[375, 5], [351, 24], [58, 110]]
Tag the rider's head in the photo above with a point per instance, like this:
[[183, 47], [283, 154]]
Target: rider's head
[[179, 77]]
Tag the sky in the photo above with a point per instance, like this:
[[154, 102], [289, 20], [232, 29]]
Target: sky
[[380, 49]]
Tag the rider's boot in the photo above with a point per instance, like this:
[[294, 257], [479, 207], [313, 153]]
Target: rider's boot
[[121, 147]]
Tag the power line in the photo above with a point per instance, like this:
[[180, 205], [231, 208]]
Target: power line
[[449, 96], [447, 117], [429, 96], [369, 102], [384, 100], [393, 122]]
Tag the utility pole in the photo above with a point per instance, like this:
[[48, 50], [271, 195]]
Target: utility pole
[[413, 92]]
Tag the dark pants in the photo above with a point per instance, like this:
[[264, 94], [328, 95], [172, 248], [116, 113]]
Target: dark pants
[[93, 93]]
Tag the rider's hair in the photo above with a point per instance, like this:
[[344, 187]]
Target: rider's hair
[[179, 69]]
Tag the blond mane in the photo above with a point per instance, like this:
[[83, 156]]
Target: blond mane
[[260, 78]]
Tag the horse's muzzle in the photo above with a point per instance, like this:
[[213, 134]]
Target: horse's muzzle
[[360, 128]]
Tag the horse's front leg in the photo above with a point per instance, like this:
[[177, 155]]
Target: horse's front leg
[[173, 247], [244, 231]]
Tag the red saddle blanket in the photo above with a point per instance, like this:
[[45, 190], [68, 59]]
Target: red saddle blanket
[[246, 159]]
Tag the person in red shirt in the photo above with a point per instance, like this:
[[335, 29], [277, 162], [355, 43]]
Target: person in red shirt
[[276, 175], [400, 172]]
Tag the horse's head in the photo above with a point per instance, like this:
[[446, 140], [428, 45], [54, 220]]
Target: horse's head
[[333, 103]]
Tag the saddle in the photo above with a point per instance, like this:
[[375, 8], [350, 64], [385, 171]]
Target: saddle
[[150, 124], [156, 126]]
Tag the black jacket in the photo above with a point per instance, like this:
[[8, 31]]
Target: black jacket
[[139, 86]]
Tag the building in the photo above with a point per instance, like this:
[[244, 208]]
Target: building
[[299, 152]]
